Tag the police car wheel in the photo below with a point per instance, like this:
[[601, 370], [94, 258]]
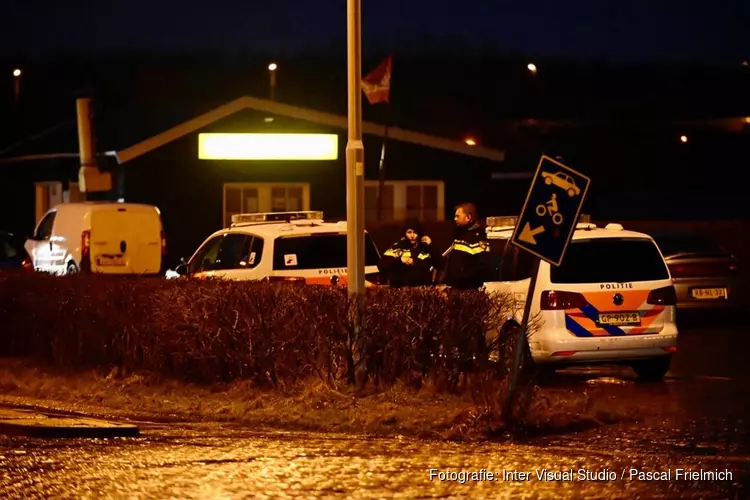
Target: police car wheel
[[72, 268], [652, 370]]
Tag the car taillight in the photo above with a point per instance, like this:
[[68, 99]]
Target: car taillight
[[85, 244], [701, 270], [373, 278], [662, 296], [163, 244], [27, 264], [553, 300]]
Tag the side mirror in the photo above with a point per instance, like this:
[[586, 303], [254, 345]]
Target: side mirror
[[182, 269]]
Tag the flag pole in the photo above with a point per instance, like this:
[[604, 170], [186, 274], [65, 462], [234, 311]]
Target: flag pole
[[381, 172], [377, 87]]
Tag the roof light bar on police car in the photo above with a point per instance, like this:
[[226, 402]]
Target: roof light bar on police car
[[502, 221], [277, 216], [512, 220]]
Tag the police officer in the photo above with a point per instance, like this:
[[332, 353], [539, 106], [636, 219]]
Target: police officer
[[410, 261], [468, 259]]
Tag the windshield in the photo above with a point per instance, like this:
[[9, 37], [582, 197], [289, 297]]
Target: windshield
[[615, 260], [317, 251]]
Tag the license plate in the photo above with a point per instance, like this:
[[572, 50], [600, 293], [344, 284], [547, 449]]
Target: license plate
[[110, 260], [620, 319], [709, 293]]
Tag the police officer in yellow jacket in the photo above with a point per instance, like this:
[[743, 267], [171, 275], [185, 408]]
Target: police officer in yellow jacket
[[468, 260], [410, 261]]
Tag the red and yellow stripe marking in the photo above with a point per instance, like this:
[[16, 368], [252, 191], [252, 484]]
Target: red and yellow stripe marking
[[582, 322]]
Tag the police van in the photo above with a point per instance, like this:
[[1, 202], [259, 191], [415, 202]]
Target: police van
[[612, 299], [298, 247]]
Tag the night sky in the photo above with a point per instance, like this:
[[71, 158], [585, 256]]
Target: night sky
[[707, 31]]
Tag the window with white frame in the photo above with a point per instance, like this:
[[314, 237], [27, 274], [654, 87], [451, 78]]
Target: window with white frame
[[253, 197], [424, 200]]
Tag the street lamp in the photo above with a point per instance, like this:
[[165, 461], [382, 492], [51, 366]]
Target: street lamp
[[683, 139], [17, 85], [532, 67], [272, 79], [355, 154], [470, 141]]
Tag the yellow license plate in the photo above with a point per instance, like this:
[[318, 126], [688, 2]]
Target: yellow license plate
[[110, 260], [709, 293], [620, 319]]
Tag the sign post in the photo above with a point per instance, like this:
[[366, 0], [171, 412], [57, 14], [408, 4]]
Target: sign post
[[544, 229]]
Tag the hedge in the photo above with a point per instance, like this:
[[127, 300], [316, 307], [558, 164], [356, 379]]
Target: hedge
[[208, 331]]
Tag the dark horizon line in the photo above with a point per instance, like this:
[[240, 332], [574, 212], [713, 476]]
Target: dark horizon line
[[242, 55]]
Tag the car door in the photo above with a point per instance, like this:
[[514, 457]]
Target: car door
[[42, 249], [240, 256]]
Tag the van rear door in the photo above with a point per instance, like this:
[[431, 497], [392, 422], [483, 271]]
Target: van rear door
[[126, 240]]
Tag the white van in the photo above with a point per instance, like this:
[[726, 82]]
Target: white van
[[612, 300], [101, 237]]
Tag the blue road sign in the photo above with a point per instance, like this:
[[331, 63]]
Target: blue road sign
[[551, 210]]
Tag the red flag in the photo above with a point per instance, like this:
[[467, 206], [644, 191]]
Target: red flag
[[377, 85]]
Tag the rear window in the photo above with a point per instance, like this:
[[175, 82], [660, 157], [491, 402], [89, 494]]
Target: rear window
[[610, 260], [672, 244], [319, 251]]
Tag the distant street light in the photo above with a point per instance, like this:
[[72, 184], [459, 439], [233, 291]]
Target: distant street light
[[745, 63], [683, 139], [17, 85], [272, 79], [470, 141], [532, 67]]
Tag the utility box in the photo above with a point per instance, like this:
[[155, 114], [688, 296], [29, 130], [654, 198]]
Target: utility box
[[91, 179]]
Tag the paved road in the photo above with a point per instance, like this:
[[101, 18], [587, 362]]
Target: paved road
[[699, 423]]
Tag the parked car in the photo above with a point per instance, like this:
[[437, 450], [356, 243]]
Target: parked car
[[280, 247], [13, 256], [102, 237], [611, 301], [704, 274]]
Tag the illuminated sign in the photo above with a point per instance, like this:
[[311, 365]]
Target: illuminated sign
[[268, 146]]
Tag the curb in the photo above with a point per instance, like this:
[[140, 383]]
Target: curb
[[17, 422]]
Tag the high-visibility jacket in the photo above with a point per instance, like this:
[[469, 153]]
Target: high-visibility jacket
[[468, 260], [419, 273]]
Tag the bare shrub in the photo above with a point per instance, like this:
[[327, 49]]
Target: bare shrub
[[209, 331]]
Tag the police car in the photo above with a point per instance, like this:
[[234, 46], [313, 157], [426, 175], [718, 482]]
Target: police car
[[612, 299], [279, 247]]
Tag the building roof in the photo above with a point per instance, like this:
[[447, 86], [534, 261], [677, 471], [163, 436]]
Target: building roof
[[310, 115]]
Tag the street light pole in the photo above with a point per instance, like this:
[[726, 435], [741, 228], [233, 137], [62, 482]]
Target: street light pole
[[355, 153], [272, 76], [17, 85]]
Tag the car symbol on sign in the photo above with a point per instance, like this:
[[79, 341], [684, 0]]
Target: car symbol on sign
[[563, 181]]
